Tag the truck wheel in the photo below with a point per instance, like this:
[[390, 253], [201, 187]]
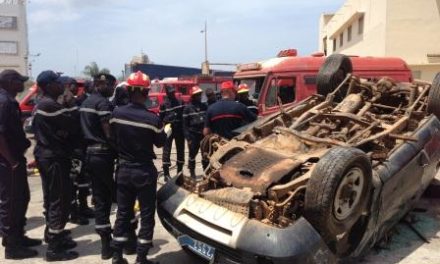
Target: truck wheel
[[337, 198], [434, 97], [332, 73]]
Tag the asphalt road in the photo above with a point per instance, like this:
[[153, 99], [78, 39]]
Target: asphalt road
[[405, 246]]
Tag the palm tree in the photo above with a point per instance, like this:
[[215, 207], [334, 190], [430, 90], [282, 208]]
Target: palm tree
[[93, 69]]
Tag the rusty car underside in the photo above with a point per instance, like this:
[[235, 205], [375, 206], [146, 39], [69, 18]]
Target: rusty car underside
[[263, 172]]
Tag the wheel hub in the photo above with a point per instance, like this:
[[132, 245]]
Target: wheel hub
[[348, 193]]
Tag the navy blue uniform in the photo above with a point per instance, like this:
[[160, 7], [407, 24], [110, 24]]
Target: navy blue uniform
[[193, 122], [55, 127], [100, 157], [226, 115], [135, 131], [250, 105], [171, 112], [14, 187]]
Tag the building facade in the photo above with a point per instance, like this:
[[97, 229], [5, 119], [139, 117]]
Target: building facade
[[14, 50], [407, 29]]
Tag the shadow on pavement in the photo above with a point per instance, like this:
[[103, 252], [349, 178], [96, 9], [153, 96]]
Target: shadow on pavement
[[34, 222]]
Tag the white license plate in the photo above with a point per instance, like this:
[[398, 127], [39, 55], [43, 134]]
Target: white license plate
[[200, 248]]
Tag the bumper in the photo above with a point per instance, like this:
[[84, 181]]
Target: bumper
[[236, 238]]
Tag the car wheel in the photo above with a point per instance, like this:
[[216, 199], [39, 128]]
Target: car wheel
[[434, 97], [337, 198], [332, 73]]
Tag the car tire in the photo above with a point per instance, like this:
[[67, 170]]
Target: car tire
[[434, 97], [325, 207], [332, 73]]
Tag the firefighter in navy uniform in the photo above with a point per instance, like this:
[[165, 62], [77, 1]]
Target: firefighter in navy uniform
[[211, 97], [243, 97], [171, 112], [193, 122], [95, 116], [135, 130], [226, 115], [14, 187], [80, 186], [55, 126]]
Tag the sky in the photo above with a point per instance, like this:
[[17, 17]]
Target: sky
[[70, 34]]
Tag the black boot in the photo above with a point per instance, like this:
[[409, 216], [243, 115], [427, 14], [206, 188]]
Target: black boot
[[56, 250], [14, 250], [131, 244], [117, 258], [106, 249], [30, 242], [193, 173], [166, 173], [66, 233]]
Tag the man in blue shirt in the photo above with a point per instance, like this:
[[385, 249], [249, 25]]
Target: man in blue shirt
[[135, 130], [14, 187], [226, 115]]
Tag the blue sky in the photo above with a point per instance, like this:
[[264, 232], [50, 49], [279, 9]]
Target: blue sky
[[69, 34]]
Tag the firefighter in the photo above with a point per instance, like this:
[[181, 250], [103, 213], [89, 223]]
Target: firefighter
[[80, 186], [95, 115], [135, 130], [211, 96], [121, 95], [14, 187], [55, 126], [243, 97], [227, 115], [193, 122], [88, 90], [171, 112]]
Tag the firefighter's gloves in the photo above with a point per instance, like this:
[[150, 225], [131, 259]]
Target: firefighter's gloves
[[168, 130]]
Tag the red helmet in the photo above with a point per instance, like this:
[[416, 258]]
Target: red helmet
[[227, 85], [196, 90], [243, 88], [138, 80]]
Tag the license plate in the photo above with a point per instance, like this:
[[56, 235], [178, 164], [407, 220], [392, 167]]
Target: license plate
[[200, 248]]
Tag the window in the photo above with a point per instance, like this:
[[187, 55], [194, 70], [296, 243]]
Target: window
[[9, 47], [284, 88], [8, 22], [361, 25], [341, 39], [349, 29], [334, 44]]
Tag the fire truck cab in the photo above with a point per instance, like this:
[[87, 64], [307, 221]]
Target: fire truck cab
[[291, 78]]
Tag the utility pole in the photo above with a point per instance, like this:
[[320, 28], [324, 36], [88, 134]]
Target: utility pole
[[205, 64]]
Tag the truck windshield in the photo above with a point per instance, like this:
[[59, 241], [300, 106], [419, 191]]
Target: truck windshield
[[255, 85]]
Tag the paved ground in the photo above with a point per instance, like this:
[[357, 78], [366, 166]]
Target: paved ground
[[405, 247]]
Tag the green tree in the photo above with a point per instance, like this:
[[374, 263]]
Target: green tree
[[93, 69]]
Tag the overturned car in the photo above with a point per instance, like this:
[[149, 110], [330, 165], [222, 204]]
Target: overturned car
[[320, 181]]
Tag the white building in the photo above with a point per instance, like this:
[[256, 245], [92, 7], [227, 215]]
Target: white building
[[409, 29], [13, 36]]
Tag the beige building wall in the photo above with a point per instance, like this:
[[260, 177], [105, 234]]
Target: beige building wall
[[409, 29], [13, 36]]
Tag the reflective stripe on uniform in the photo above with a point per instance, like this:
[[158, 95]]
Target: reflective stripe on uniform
[[85, 185], [103, 226], [56, 113], [55, 231], [171, 109], [193, 114], [252, 107], [226, 116], [144, 241], [181, 161], [94, 111], [120, 239], [136, 124]]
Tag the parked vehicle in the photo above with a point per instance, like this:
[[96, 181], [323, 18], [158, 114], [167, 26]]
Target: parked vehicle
[[293, 78], [320, 181]]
